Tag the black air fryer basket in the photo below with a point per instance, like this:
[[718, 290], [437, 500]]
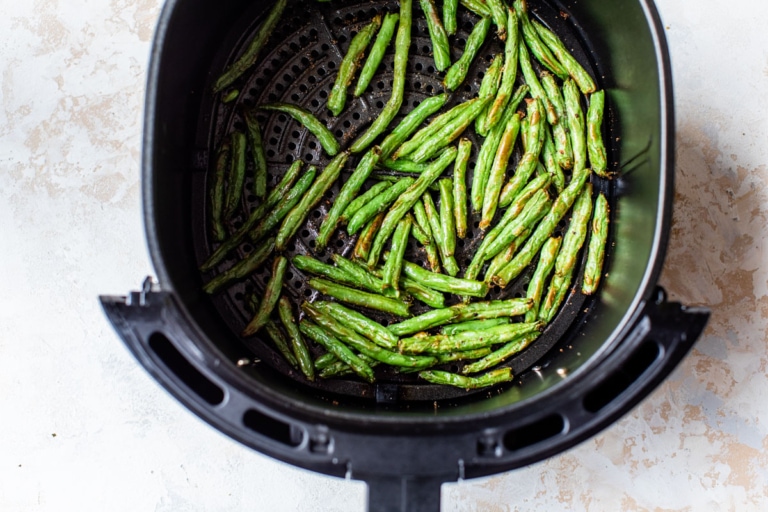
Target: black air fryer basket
[[597, 359]]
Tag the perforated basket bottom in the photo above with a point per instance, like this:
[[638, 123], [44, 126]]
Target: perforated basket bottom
[[299, 66]]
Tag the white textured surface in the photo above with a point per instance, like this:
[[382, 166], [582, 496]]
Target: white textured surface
[[84, 428]]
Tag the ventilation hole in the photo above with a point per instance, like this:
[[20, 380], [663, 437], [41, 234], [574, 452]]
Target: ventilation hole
[[309, 156], [295, 134], [419, 66], [276, 430], [356, 115], [291, 146], [425, 49], [288, 158], [273, 141], [331, 65], [295, 97], [379, 104], [323, 94], [623, 377], [534, 433], [184, 370], [316, 214], [315, 103], [312, 144], [307, 292], [270, 153], [305, 233], [321, 71], [347, 123]]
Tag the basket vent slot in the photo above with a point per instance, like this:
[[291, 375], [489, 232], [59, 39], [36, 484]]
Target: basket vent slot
[[623, 377], [272, 428], [534, 433], [184, 370]]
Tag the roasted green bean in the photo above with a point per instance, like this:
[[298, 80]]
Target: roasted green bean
[[349, 65]]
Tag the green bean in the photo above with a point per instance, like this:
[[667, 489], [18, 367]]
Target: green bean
[[499, 168], [509, 72], [502, 354], [548, 153], [360, 274], [347, 193], [598, 159], [460, 313], [449, 262], [364, 199], [527, 164], [576, 125], [460, 187], [566, 259], [390, 110], [217, 191], [407, 199], [500, 18], [458, 70], [426, 295], [444, 283], [542, 53], [320, 186], [278, 338], [449, 16], [359, 323], [359, 298], [325, 360], [596, 250], [488, 89], [230, 96], [538, 279], [410, 123], [563, 152], [430, 244], [270, 298], [466, 340], [349, 65], [544, 230], [491, 378], [474, 325], [365, 240], [478, 7], [364, 346], [569, 62], [378, 204], [236, 177], [452, 130], [310, 122], [242, 268], [394, 264], [376, 54], [447, 220], [505, 256], [441, 48], [317, 267], [427, 133], [403, 165], [339, 368], [300, 350], [510, 214], [337, 348], [256, 215], [257, 154], [462, 355], [537, 90], [483, 165], [534, 210], [251, 53]]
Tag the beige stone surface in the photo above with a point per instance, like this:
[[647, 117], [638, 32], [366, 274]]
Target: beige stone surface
[[84, 428]]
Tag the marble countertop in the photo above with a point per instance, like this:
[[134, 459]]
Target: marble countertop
[[86, 429]]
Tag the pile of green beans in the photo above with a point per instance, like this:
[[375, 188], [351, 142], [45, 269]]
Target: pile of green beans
[[532, 97]]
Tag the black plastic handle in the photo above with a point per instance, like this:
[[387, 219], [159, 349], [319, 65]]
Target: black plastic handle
[[405, 471]]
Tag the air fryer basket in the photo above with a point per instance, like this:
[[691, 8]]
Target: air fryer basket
[[596, 360]]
